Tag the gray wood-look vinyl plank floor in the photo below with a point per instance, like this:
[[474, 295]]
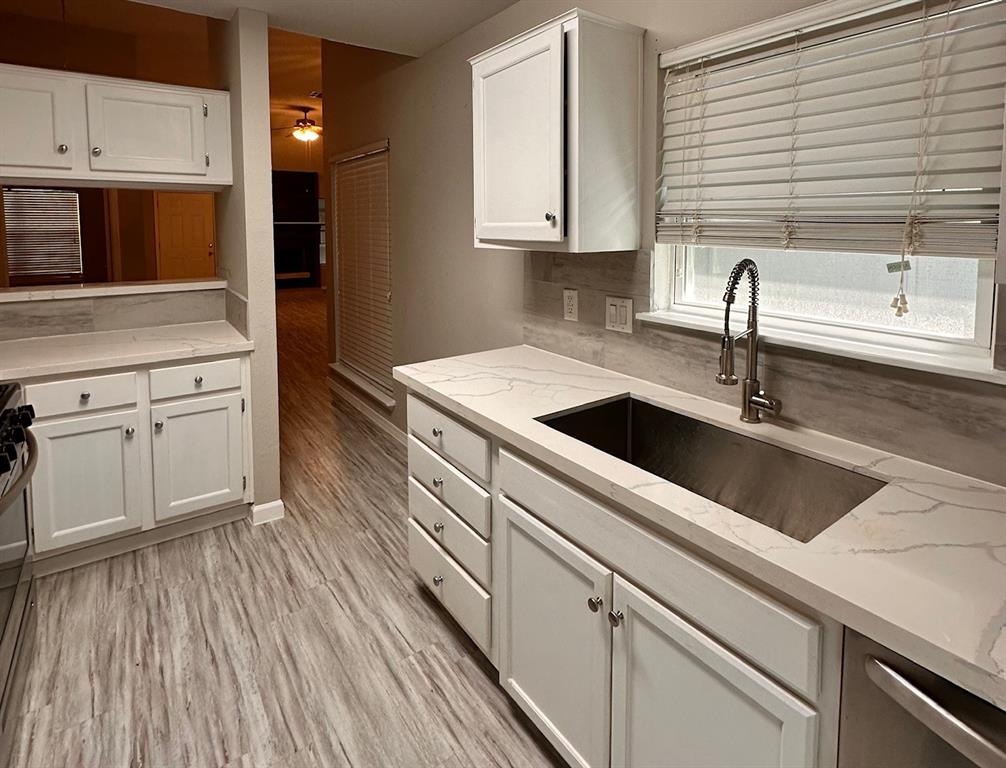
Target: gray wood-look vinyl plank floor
[[305, 642]]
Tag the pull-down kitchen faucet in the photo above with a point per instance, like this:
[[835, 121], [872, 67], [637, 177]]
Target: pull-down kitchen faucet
[[754, 399]]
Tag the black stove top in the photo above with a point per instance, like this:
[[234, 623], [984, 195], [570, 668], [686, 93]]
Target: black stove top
[[15, 418]]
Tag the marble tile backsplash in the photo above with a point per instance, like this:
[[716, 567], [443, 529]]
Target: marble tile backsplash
[[953, 423], [26, 319]]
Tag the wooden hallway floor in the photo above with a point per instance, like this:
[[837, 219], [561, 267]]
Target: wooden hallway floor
[[304, 642]]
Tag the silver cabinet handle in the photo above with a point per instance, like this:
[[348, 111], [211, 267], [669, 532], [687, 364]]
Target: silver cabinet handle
[[158, 425], [595, 603], [198, 380], [63, 149], [85, 396], [437, 431], [130, 431], [438, 580], [550, 217], [615, 618], [438, 527], [943, 723], [438, 482], [96, 151]]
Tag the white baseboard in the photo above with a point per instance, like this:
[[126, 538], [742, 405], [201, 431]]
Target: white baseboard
[[268, 512]]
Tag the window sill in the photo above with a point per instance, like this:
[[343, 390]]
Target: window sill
[[364, 385], [963, 364], [91, 290]]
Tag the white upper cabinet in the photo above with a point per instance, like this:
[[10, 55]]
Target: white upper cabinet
[[69, 127], [151, 130], [35, 125], [556, 137]]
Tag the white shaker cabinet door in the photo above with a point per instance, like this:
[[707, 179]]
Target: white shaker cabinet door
[[145, 129], [87, 483], [517, 106], [681, 700], [36, 128], [198, 454], [555, 651]]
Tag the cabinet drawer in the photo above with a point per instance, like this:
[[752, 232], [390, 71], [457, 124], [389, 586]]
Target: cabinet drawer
[[185, 380], [459, 593], [468, 449], [79, 395], [773, 636], [470, 502], [470, 549]]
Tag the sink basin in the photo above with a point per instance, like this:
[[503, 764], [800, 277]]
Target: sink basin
[[792, 493]]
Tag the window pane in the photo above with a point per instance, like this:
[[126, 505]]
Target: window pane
[[851, 288]]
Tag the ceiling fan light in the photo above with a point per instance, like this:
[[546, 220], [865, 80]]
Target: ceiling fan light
[[306, 133]]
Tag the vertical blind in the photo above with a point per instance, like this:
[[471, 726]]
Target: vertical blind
[[363, 259], [43, 232], [880, 135]]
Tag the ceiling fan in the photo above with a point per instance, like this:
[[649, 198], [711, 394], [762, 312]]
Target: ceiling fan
[[304, 128]]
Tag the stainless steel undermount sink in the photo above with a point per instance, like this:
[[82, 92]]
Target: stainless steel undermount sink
[[794, 494]]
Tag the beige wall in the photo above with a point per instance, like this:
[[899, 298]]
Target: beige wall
[[449, 297]]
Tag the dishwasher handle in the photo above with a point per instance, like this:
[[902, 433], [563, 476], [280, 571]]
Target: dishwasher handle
[[957, 733]]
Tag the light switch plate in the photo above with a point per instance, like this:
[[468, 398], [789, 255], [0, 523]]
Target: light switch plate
[[570, 304], [618, 314]]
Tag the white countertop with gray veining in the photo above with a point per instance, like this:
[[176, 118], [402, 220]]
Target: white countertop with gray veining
[[920, 566], [81, 352]]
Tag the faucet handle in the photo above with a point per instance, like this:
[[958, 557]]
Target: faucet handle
[[726, 375]]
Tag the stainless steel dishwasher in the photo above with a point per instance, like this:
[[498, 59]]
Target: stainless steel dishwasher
[[895, 714]]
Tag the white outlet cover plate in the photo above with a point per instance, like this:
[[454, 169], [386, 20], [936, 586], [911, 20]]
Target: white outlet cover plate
[[570, 304], [618, 314]]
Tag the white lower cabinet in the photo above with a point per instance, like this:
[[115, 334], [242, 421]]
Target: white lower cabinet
[[681, 700], [198, 454], [555, 648], [87, 483]]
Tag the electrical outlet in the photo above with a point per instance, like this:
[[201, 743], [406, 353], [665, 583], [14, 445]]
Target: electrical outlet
[[570, 304], [618, 314]]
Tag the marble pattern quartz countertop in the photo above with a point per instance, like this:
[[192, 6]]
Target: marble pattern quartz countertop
[[79, 352], [920, 566]]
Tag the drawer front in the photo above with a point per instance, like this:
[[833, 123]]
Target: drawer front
[[186, 380], [466, 600], [770, 634], [80, 395], [461, 445], [447, 529], [466, 498]]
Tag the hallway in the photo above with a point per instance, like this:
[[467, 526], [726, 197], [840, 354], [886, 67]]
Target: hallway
[[298, 643]]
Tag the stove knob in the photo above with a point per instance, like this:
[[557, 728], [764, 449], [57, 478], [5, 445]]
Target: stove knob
[[29, 409], [22, 418], [13, 435]]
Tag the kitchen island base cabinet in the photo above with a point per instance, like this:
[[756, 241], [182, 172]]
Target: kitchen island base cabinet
[[73, 503], [555, 649], [681, 700]]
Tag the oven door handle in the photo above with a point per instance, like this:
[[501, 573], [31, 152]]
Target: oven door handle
[[17, 488], [940, 721]]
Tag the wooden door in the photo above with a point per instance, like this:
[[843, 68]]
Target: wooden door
[[35, 125], [87, 482], [517, 105], [681, 700], [185, 235], [145, 129], [555, 651], [198, 454]]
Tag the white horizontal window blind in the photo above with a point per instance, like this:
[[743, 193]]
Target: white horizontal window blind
[[43, 232], [882, 134], [363, 259]]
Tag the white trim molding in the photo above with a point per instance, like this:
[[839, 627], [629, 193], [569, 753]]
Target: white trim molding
[[268, 512], [92, 290]]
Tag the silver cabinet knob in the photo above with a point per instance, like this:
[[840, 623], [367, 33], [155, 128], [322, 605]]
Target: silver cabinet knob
[[551, 217], [437, 431], [595, 603], [438, 580], [63, 149], [96, 151], [615, 618], [198, 380], [158, 425], [438, 482], [130, 431], [85, 396], [438, 527]]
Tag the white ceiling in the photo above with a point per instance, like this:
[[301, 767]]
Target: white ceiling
[[412, 27]]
